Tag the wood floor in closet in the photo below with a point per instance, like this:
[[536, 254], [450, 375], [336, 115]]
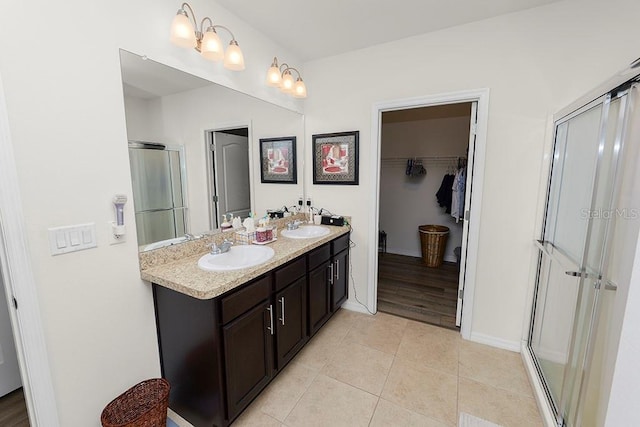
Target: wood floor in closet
[[13, 410], [410, 289]]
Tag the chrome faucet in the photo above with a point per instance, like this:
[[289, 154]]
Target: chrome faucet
[[293, 225], [222, 248]]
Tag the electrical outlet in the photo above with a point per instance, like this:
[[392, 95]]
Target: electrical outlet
[[309, 201], [112, 237], [300, 201]]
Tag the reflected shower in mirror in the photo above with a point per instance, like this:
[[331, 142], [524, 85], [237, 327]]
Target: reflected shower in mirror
[[158, 191], [188, 165]]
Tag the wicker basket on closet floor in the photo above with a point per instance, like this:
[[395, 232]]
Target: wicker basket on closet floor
[[433, 239], [143, 405]]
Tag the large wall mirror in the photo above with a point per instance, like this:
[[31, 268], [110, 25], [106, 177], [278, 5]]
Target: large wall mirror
[[194, 151]]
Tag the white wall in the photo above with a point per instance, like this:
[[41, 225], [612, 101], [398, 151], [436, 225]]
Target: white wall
[[183, 119], [144, 119], [534, 63], [408, 202], [61, 73]]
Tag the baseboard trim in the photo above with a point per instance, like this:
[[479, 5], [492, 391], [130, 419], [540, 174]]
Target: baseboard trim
[[354, 306], [399, 251], [447, 258], [546, 412], [495, 342]]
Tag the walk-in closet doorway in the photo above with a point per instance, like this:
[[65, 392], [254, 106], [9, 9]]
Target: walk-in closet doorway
[[422, 144], [423, 165]]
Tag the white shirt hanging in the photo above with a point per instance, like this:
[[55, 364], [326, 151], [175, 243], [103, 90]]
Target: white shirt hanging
[[457, 194]]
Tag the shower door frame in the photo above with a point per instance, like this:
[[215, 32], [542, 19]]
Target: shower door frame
[[604, 100], [529, 355]]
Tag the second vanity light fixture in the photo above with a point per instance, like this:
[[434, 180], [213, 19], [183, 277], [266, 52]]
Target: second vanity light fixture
[[281, 77], [186, 34]]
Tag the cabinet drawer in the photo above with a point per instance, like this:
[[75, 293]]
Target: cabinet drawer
[[319, 255], [290, 272], [340, 244], [241, 301]]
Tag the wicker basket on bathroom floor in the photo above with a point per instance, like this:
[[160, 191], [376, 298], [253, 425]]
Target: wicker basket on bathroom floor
[[143, 405]]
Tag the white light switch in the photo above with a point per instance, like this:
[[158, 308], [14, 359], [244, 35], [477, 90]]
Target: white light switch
[[61, 241], [72, 238]]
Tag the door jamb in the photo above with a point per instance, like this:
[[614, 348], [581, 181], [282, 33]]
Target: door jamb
[[481, 96], [20, 284]]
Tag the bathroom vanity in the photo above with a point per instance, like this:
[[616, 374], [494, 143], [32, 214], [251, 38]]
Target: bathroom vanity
[[223, 336]]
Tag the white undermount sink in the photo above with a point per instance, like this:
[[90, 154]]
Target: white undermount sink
[[306, 232], [237, 258]]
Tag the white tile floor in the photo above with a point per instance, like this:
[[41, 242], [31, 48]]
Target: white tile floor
[[382, 370]]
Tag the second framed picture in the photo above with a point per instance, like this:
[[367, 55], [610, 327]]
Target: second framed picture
[[335, 158], [278, 160]]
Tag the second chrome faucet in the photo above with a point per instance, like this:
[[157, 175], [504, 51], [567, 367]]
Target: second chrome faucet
[[221, 248]]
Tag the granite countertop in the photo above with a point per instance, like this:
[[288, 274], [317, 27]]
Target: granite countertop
[[183, 274]]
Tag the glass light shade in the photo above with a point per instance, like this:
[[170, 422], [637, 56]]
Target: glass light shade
[[182, 33], [273, 76], [299, 89], [233, 58], [287, 82], [211, 46]]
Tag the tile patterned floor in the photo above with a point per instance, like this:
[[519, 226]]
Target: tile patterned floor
[[383, 370]]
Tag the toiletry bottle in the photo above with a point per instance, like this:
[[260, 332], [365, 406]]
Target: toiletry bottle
[[225, 224]]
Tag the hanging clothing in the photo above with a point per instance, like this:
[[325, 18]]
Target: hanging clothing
[[457, 194], [444, 193]]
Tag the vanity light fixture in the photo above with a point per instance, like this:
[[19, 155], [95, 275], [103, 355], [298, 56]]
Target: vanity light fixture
[[185, 33], [281, 77]]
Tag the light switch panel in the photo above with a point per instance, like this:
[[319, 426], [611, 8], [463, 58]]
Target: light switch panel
[[72, 238]]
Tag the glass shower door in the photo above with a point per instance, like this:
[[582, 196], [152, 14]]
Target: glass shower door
[[573, 268], [561, 250], [158, 194], [568, 274]]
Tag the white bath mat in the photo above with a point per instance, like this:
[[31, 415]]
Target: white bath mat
[[467, 420]]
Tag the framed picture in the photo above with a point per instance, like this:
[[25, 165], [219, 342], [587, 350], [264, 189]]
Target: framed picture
[[278, 160], [335, 158]]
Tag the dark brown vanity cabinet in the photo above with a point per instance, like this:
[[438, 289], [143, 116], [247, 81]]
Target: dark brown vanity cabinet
[[291, 322], [340, 271], [219, 354], [247, 317], [328, 280], [290, 310], [320, 275]]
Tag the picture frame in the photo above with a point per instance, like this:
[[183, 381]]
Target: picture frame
[[278, 160], [335, 158]]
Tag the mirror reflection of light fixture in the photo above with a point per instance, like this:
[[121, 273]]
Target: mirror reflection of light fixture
[[185, 33], [281, 77]]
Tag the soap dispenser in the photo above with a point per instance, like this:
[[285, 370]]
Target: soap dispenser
[[225, 223]]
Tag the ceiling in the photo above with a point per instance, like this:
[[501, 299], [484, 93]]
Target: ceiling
[[317, 29], [143, 78]]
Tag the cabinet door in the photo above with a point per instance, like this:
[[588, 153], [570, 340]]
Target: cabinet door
[[248, 348], [340, 288], [291, 322], [319, 296]]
